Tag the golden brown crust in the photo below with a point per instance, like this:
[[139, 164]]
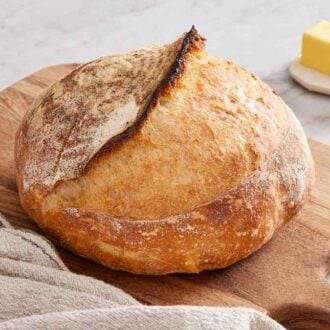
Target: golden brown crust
[[200, 182], [211, 236]]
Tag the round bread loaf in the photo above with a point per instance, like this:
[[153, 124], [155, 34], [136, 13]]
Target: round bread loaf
[[162, 160]]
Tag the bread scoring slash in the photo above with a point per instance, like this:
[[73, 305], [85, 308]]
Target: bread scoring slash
[[162, 160]]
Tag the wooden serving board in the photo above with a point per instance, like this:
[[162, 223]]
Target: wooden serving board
[[286, 278]]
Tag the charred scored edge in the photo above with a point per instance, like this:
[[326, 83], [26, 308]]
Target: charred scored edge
[[191, 40]]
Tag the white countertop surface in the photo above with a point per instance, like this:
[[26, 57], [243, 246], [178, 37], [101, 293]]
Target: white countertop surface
[[262, 35]]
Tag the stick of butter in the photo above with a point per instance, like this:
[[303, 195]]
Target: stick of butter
[[315, 52]]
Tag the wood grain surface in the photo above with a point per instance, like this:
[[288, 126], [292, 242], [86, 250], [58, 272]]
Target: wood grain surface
[[286, 278]]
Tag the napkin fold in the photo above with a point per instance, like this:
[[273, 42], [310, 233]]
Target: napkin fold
[[37, 291]]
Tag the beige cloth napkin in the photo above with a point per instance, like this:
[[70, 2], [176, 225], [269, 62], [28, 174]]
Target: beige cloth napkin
[[37, 291]]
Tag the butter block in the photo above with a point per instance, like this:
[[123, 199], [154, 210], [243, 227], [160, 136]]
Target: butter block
[[315, 50]]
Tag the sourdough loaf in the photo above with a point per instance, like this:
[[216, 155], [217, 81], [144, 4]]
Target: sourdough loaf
[[161, 160]]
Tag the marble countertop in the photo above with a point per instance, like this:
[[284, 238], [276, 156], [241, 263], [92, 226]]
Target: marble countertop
[[264, 37]]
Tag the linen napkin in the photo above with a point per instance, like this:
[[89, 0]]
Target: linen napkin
[[37, 291]]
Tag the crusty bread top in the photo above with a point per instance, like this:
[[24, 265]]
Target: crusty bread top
[[85, 110], [197, 127]]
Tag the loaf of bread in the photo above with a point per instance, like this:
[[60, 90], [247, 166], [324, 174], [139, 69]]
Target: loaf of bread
[[162, 160]]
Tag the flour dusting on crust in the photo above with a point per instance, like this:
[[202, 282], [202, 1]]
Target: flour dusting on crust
[[78, 115]]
